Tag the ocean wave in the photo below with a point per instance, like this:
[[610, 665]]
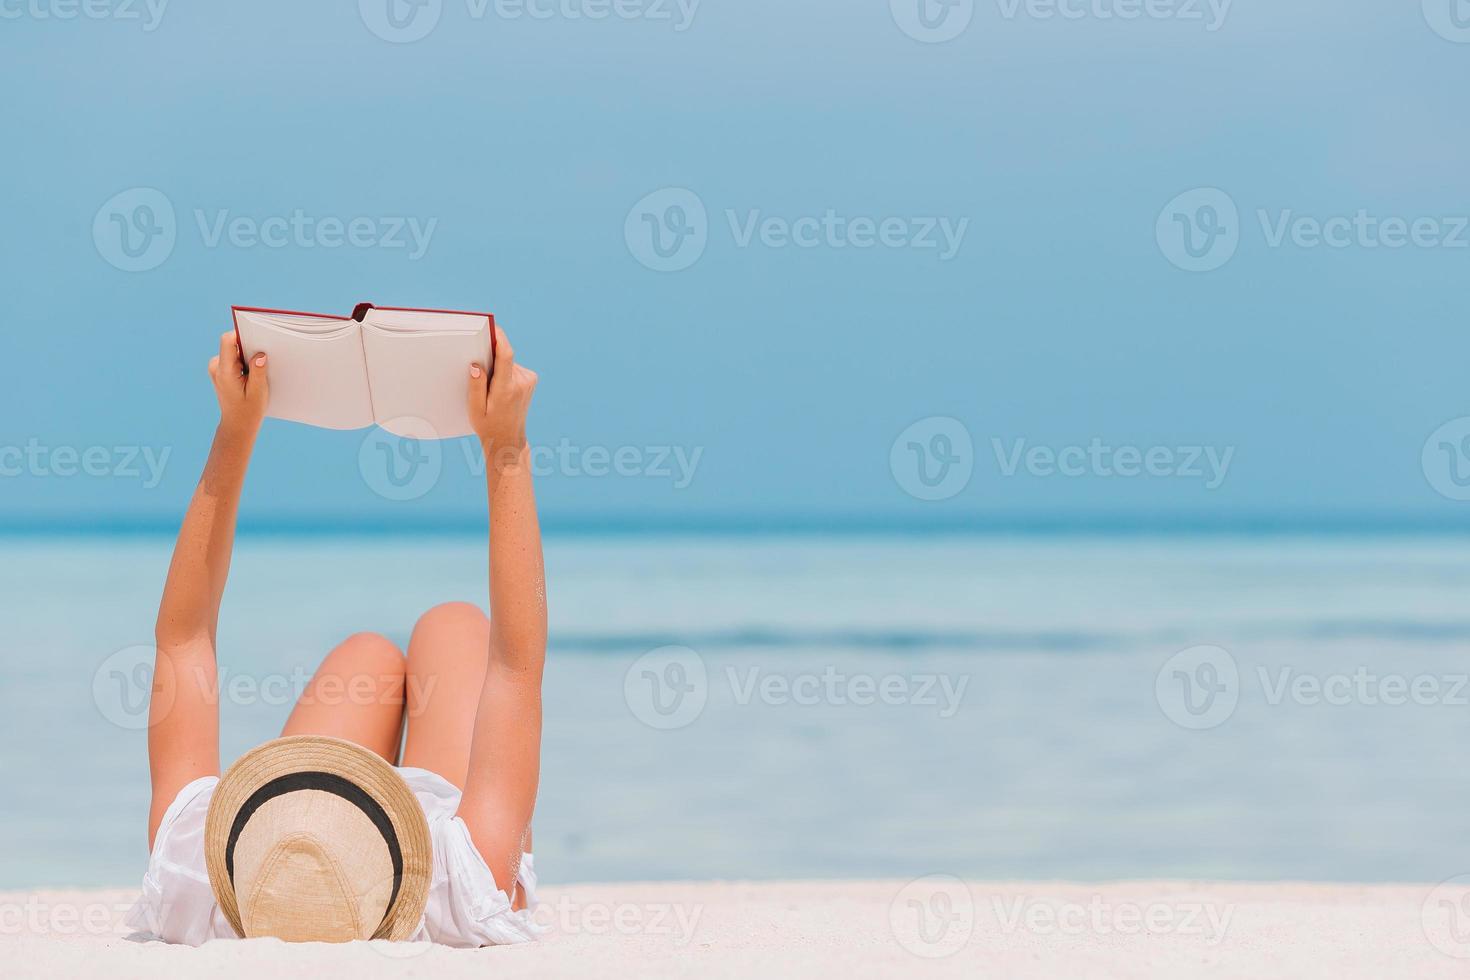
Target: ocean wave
[[917, 640]]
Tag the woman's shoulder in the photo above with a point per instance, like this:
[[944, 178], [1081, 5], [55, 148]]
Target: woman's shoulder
[[184, 818], [437, 795], [177, 903], [200, 791]]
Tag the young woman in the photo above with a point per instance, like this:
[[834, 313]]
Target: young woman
[[316, 841]]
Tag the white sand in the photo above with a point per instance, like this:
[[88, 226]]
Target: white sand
[[846, 930]]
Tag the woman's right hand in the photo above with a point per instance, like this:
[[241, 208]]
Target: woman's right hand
[[499, 401], [242, 397]]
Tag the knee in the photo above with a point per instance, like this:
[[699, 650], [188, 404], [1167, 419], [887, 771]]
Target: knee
[[371, 654], [453, 617]]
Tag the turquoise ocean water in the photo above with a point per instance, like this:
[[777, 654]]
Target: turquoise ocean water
[[987, 706]]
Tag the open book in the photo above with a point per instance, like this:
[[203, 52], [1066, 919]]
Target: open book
[[407, 370]]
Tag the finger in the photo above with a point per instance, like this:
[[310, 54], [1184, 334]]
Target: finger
[[229, 354], [505, 357], [475, 393], [258, 383], [213, 367]]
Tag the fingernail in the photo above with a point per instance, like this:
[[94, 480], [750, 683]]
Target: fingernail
[[474, 370], [260, 360]]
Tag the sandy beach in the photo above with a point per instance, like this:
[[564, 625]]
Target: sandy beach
[[936, 926]]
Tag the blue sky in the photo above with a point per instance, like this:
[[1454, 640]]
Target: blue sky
[[1065, 325]]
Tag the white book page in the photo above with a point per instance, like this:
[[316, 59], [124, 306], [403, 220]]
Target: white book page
[[419, 369], [317, 372]]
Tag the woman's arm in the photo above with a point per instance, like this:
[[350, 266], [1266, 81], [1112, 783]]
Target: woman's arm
[[183, 720], [505, 751]]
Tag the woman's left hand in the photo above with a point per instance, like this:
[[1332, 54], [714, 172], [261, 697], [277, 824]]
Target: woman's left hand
[[242, 397]]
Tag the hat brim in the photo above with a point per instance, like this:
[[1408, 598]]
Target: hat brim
[[347, 760]]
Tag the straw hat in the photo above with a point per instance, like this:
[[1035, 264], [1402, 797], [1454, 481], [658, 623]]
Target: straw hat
[[315, 839]]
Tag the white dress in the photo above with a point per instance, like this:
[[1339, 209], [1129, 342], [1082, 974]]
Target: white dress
[[465, 907]]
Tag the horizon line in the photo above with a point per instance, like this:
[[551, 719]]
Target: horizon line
[[792, 524]]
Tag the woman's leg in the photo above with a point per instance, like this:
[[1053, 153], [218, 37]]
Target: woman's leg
[[357, 695], [448, 655]]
